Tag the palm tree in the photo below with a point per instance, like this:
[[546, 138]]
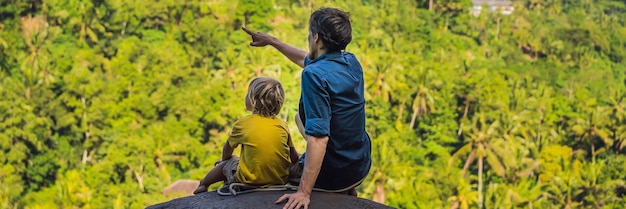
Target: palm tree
[[481, 143], [35, 66], [390, 167], [381, 74], [592, 130], [230, 63], [526, 193], [465, 195], [617, 104], [423, 102], [562, 174]]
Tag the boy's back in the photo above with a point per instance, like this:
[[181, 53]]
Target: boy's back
[[265, 150]]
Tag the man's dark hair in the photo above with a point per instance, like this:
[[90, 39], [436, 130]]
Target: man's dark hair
[[333, 27]]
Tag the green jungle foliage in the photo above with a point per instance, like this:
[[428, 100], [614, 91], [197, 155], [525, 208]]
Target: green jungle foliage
[[105, 103]]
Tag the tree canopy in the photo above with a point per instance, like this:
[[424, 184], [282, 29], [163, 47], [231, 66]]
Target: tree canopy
[[105, 103]]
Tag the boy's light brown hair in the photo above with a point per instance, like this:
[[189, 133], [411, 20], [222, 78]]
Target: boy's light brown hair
[[265, 96]]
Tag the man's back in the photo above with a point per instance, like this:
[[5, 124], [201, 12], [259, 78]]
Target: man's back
[[339, 77]]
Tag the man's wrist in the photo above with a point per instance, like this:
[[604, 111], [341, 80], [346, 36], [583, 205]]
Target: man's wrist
[[304, 187], [303, 191], [274, 41]]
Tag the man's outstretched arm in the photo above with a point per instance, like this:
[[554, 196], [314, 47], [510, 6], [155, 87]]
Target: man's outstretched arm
[[294, 54]]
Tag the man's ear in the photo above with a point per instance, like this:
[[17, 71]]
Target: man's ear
[[318, 41]]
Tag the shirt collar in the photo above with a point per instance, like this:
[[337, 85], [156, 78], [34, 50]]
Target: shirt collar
[[332, 56]]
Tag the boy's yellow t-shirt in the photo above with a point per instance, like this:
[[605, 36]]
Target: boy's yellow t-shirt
[[265, 148]]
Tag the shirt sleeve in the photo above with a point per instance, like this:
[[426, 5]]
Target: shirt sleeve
[[316, 102], [289, 142], [286, 128], [236, 135]]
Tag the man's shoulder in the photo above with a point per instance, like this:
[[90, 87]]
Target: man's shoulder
[[348, 54], [351, 58], [316, 69]]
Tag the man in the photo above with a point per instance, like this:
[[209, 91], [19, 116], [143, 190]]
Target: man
[[331, 109]]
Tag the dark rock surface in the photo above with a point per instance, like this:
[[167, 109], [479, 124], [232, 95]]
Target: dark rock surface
[[266, 199]]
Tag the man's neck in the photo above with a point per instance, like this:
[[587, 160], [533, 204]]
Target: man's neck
[[318, 53], [321, 51]]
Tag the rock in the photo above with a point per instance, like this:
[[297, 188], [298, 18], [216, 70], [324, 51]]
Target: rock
[[266, 199]]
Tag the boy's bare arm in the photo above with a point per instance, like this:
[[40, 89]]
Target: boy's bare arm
[[227, 151], [293, 154]]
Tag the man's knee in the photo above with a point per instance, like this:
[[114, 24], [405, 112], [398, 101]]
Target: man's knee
[[297, 117], [300, 125]]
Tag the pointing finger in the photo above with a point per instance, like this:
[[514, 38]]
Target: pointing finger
[[247, 31]]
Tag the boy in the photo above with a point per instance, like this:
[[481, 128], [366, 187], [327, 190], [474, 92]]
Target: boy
[[267, 150]]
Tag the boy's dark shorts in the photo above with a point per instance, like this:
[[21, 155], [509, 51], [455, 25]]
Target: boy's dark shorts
[[230, 170]]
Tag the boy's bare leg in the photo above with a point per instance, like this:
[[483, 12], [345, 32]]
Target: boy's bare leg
[[300, 126], [213, 176]]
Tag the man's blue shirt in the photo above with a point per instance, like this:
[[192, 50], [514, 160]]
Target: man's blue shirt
[[332, 104]]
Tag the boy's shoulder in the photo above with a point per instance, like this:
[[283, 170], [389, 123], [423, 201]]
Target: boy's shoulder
[[255, 118]]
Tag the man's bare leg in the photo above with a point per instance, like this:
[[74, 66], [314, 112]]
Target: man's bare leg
[[300, 125]]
